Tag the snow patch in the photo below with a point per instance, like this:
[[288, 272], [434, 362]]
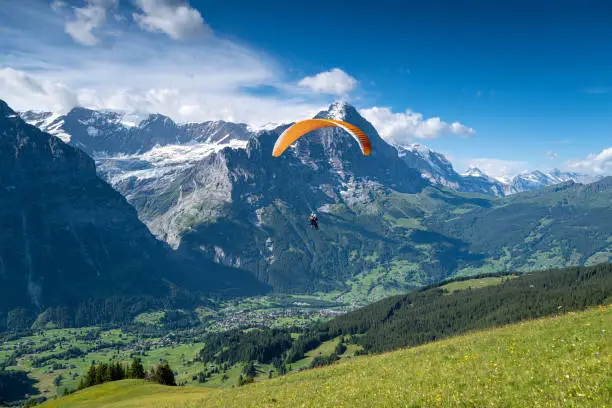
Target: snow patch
[[164, 160], [474, 172], [267, 126], [92, 131], [337, 111]]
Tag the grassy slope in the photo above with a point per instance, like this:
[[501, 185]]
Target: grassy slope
[[558, 361], [473, 283], [45, 375]]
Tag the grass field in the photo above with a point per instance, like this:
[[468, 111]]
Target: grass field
[[563, 361], [474, 283], [59, 340]]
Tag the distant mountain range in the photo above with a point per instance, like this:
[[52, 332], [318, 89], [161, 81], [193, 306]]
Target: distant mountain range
[[110, 133], [437, 169], [399, 218], [107, 134]]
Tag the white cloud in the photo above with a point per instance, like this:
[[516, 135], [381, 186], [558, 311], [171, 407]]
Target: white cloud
[[552, 155], [21, 89], [188, 81], [195, 82], [333, 82], [599, 164], [498, 168], [86, 20], [404, 127], [172, 17]]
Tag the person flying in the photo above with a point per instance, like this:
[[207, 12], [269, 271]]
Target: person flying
[[314, 221]]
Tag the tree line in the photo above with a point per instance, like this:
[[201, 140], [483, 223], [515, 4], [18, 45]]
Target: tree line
[[105, 372], [104, 312], [235, 346]]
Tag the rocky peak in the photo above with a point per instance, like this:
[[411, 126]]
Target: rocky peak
[[475, 172], [157, 121]]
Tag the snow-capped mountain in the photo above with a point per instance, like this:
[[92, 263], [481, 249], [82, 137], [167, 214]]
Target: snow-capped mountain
[[103, 133], [475, 172], [536, 179], [134, 151], [68, 237], [215, 190], [433, 165], [189, 195], [436, 168]]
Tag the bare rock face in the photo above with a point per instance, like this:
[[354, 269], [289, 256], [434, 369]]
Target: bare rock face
[[214, 193], [66, 234], [233, 202]]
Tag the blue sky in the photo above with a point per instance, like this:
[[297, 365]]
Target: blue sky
[[507, 87]]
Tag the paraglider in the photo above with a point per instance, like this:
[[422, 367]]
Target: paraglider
[[314, 221], [299, 129]]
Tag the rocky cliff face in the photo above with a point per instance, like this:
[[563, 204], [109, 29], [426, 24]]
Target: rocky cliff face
[[66, 234], [434, 167], [242, 207], [215, 194]]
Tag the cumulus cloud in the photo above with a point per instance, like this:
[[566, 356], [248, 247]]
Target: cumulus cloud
[[185, 82], [552, 155], [333, 82], [172, 17], [497, 168], [22, 89], [599, 164], [86, 21], [188, 81], [404, 127]]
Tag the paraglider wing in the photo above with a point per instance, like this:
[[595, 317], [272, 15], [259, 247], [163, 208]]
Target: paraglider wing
[[299, 129]]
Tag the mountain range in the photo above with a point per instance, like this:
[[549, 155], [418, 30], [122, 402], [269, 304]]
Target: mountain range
[[68, 237], [104, 134], [436, 168], [397, 219]]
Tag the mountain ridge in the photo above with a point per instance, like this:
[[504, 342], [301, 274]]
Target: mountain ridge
[[384, 227], [82, 127], [68, 236]]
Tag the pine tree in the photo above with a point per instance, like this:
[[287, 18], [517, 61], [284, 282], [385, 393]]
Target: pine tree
[[163, 375], [90, 377], [136, 369], [249, 369]]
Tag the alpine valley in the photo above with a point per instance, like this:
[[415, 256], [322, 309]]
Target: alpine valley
[[396, 220]]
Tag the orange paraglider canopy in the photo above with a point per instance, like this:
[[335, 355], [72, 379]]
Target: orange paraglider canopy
[[299, 129]]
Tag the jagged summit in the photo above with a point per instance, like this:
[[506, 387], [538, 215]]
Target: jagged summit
[[106, 133], [340, 110], [157, 119], [474, 172]]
